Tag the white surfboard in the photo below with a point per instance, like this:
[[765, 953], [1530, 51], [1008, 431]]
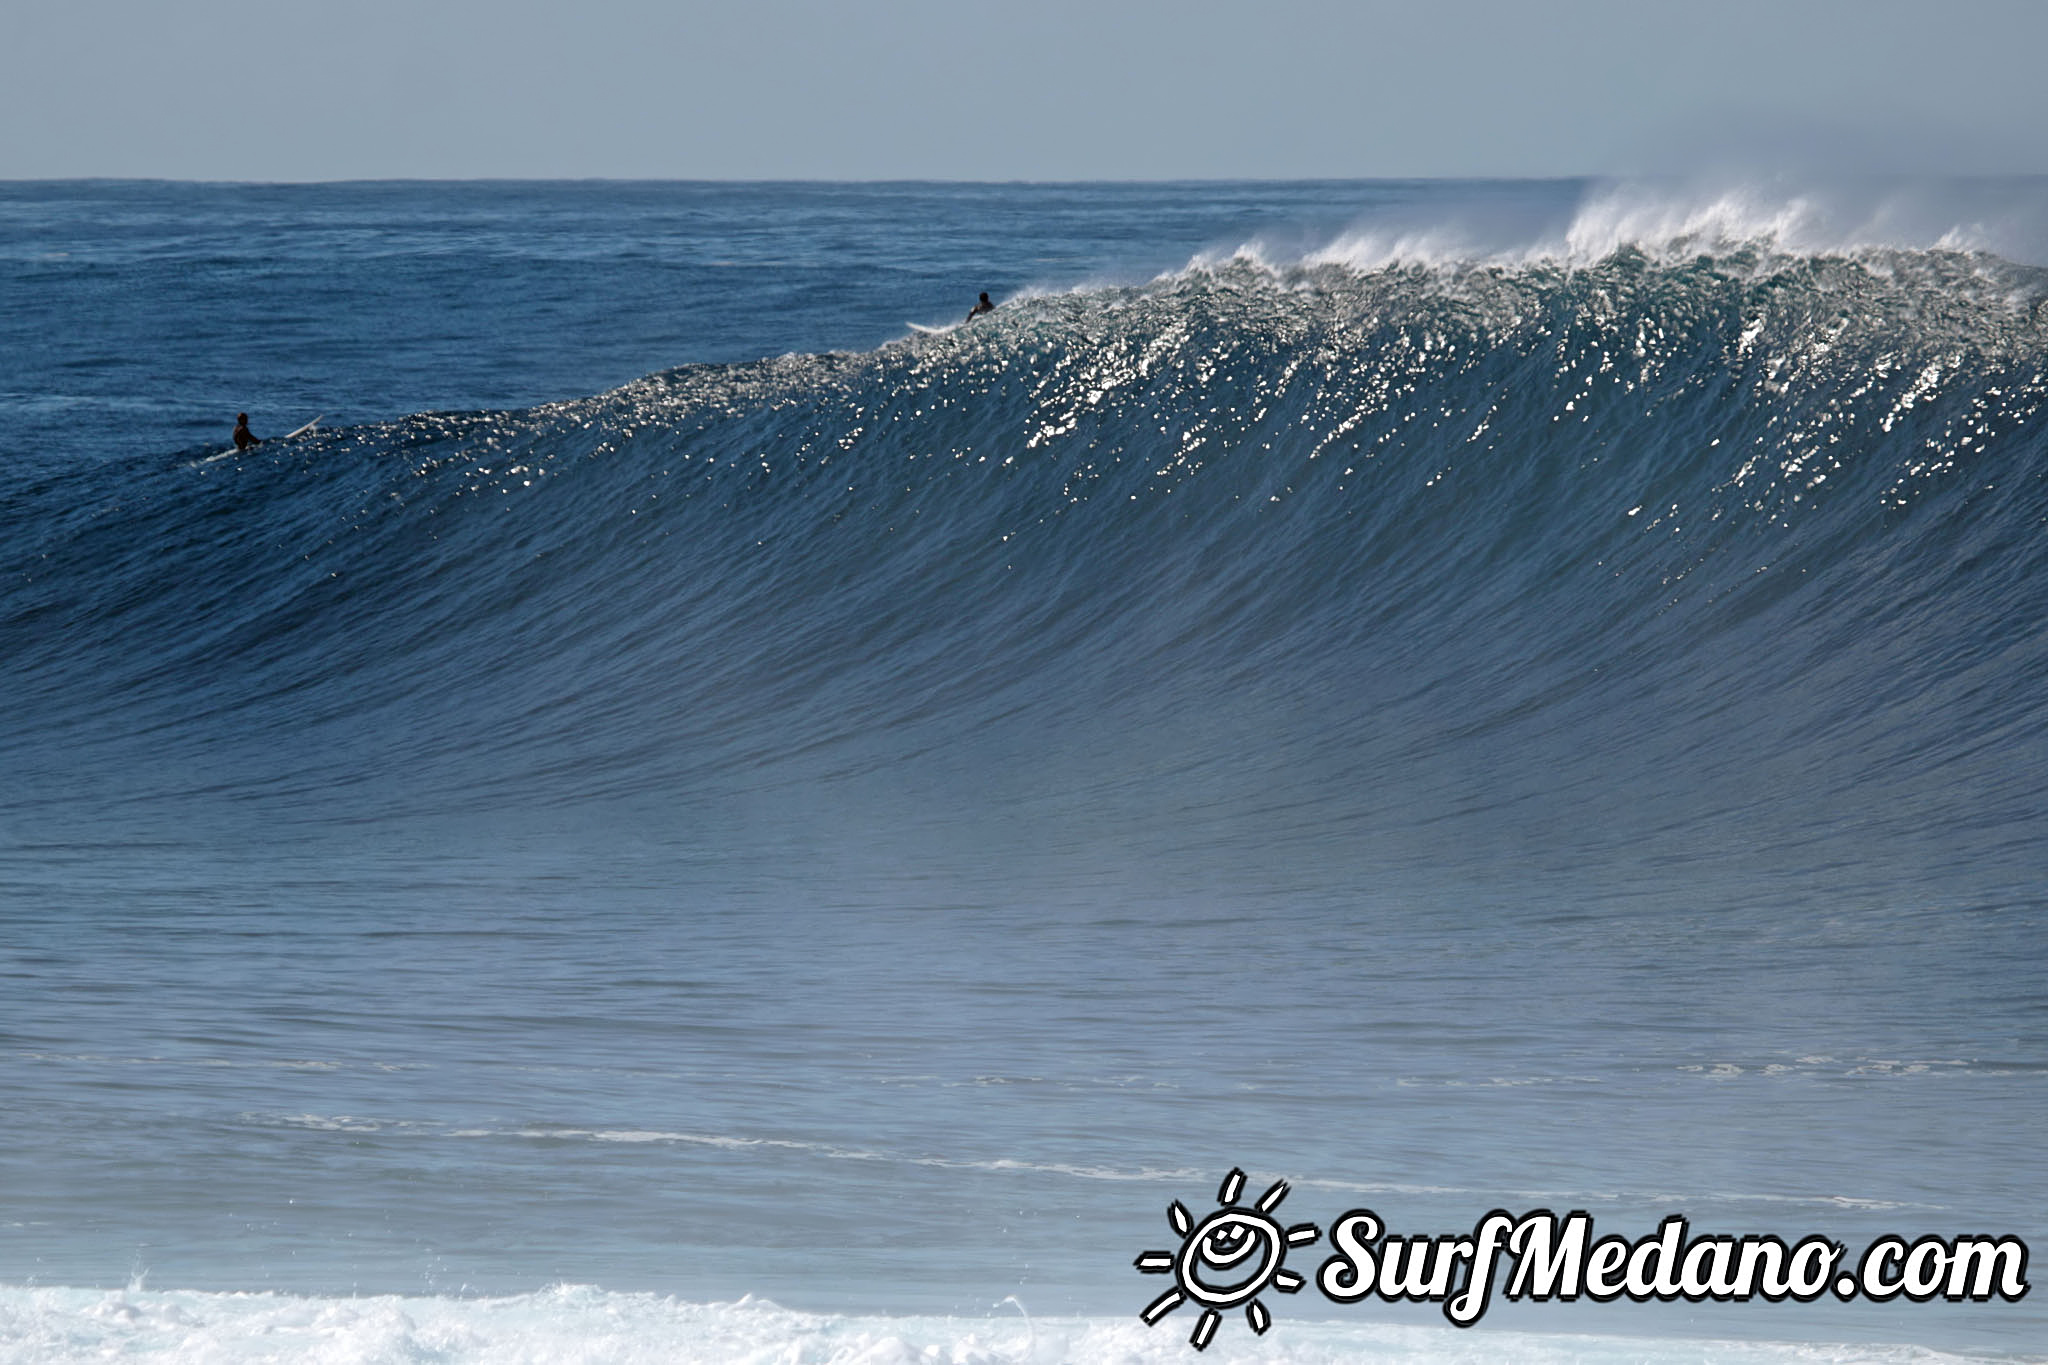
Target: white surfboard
[[927, 329], [295, 431]]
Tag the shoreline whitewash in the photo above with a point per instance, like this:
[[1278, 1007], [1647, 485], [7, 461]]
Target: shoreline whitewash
[[580, 1325]]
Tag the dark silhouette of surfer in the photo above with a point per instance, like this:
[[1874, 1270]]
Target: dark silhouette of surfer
[[244, 438], [983, 307]]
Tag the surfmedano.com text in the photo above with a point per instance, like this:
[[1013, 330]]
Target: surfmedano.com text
[[1540, 1256]]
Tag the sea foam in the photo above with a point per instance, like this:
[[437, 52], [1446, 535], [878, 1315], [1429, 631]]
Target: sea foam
[[579, 1325]]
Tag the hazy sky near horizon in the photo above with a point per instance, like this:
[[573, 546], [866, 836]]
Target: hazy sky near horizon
[[1017, 89]]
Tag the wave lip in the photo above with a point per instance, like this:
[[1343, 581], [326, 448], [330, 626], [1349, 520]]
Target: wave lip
[[1674, 220]]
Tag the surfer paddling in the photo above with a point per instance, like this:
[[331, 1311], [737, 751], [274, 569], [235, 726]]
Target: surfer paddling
[[983, 307], [244, 438]]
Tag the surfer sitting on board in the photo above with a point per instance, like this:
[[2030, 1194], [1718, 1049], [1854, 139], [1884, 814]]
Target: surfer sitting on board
[[983, 307], [244, 438]]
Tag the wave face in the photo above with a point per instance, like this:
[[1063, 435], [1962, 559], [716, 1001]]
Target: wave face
[[1690, 553]]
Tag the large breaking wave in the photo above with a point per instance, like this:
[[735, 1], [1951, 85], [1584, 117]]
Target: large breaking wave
[[1700, 543]]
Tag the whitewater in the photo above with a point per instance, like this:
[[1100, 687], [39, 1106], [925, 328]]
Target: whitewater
[[690, 819]]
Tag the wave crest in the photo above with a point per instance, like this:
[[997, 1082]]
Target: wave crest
[[1675, 220]]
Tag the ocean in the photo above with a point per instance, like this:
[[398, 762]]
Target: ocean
[[709, 810]]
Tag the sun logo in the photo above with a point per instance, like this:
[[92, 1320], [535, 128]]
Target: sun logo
[[1227, 1259]]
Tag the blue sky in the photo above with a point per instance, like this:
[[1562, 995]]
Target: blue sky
[[1001, 89]]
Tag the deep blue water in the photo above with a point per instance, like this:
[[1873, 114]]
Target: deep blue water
[[1456, 695]]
